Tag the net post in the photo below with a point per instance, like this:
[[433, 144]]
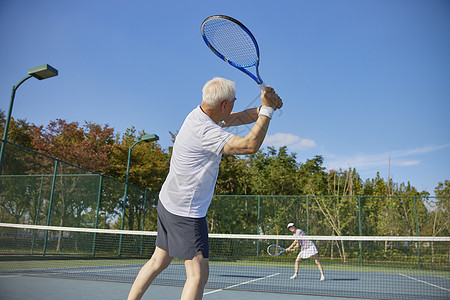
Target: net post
[[50, 206]]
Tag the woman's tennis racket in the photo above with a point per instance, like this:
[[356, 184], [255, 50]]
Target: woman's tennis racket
[[230, 40], [275, 250]]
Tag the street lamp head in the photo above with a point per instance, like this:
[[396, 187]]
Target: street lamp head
[[43, 72], [149, 138], [40, 72]]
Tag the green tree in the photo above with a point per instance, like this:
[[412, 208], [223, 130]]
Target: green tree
[[233, 176], [409, 209], [149, 166], [19, 133], [312, 177], [16, 191], [274, 172], [88, 146], [439, 216], [441, 213]]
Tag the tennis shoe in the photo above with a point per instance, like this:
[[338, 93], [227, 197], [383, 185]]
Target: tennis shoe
[[294, 276], [322, 278]]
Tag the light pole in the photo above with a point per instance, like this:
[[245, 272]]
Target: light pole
[[39, 72], [144, 138]]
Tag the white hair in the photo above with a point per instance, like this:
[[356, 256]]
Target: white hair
[[217, 90]]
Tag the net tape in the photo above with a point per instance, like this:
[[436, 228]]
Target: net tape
[[239, 236]]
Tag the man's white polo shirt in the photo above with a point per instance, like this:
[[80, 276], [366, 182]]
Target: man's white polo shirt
[[194, 166]]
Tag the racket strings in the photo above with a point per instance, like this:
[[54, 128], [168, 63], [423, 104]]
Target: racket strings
[[274, 250], [233, 42]]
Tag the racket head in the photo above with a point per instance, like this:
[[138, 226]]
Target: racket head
[[232, 42], [275, 250]]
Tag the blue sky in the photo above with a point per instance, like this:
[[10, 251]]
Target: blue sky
[[362, 81]]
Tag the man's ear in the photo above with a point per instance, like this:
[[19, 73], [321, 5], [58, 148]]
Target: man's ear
[[223, 106]]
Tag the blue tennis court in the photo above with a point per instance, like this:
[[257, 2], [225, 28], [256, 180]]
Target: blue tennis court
[[224, 282], [12, 288], [238, 263]]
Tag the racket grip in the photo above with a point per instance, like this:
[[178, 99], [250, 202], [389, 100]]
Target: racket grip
[[262, 86]]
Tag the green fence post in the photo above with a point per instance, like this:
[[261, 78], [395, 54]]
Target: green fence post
[[143, 220], [259, 215], [307, 214], [360, 230], [259, 224], [417, 232], [50, 206], [36, 219], [99, 196], [124, 206]]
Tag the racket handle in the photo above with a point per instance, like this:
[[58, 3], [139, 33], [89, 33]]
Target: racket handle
[[262, 86]]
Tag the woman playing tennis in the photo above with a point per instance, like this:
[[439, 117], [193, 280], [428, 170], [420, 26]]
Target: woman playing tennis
[[308, 249]]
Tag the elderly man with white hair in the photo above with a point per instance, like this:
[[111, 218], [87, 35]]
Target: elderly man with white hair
[[189, 187]]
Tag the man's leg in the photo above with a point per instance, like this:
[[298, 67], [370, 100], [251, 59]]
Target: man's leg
[[197, 272], [157, 263]]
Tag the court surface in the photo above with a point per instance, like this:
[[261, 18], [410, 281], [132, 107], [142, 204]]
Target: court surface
[[17, 287], [114, 282]]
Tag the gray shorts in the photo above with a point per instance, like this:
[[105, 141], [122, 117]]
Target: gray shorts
[[183, 237]]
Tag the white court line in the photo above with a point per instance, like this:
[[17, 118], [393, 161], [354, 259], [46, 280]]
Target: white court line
[[242, 283], [9, 276], [433, 285], [97, 271], [63, 270]]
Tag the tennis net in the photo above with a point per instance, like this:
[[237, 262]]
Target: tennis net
[[355, 266]]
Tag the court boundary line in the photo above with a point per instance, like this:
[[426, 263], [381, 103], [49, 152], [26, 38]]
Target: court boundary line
[[431, 284], [239, 284], [9, 276]]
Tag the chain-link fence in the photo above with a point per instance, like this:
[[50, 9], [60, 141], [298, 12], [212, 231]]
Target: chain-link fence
[[42, 190]]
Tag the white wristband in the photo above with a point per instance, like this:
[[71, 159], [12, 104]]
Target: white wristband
[[266, 111]]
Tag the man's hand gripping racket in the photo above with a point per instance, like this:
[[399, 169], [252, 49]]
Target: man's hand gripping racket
[[271, 99]]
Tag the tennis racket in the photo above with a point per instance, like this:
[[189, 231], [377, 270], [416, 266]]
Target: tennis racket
[[275, 250], [230, 40]]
